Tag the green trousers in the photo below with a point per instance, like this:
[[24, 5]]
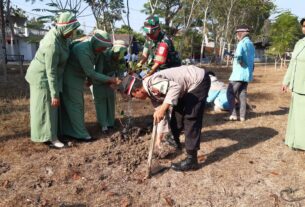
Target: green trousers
[[44, 117], [104, 99], [73, 122], [295, 136]]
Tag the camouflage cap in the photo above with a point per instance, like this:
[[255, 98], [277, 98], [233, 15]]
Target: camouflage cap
[[151, 24]]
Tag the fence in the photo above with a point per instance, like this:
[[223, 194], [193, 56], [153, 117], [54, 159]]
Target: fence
[[16, 58]]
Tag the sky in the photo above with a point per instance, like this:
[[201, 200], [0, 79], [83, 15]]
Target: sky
[[86, 18], [137, 18], [297, 7]]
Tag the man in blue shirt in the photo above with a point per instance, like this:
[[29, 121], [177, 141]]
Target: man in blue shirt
[[242, 74]]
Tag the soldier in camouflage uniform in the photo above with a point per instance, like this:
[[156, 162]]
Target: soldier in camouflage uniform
[[159, 51]]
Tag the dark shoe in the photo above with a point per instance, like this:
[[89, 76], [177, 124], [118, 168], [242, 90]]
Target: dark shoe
[[171, 141], [86, 139], [105, 130], [189, 163]]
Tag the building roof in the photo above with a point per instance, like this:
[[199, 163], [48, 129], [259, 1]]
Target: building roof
[[125, 37]]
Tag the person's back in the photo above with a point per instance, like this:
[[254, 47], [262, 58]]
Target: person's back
[[218, 94], [188, 76], [74, 72]]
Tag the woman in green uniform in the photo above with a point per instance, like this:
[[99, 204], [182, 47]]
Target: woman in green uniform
[[81, 64], [45, 78], [110, 63], [295, 80]]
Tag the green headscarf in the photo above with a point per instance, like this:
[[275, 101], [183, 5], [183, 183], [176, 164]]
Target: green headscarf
[[66, 22], [100, 38]]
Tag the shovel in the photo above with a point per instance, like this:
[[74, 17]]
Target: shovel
[[151, 149]]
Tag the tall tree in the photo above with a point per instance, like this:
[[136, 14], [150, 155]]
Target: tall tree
[[205, 6], [213, 19], [107, 12], [225, 16], [166, 9], [284, 33], [3, 46]]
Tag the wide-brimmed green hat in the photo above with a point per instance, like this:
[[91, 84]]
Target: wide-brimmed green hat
[[67, 22], [119, 46], [101, 38], [151, 24]]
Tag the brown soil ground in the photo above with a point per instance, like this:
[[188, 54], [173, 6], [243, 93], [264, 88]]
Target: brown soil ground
[[241, 163]]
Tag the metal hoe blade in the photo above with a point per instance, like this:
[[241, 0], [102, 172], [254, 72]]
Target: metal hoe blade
[[151, 149]]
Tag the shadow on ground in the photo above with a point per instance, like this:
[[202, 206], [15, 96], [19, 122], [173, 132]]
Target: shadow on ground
[[280, 112], [246, 138]]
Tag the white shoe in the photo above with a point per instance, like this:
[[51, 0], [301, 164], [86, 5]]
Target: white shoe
[[233, 118], [56, 143], [242, 119], [217, 108]]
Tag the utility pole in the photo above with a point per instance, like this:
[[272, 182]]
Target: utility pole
[[3, 42]]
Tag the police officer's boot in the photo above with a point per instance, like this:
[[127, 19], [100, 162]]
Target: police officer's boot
[[189, 163], [174, 142]]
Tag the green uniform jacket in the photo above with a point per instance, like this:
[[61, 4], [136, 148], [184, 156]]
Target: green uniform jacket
[[295, 75], [81, 64], [47, 67]]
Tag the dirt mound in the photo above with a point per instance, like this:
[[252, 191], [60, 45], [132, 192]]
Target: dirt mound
[[127, 147]]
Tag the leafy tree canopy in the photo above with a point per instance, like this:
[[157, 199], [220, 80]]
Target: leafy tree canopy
[[284, 33]]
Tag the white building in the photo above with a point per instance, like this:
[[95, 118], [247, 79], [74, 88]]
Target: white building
[[19, 46]]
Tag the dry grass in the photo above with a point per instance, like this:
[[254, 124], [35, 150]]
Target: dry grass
[[242, 163]]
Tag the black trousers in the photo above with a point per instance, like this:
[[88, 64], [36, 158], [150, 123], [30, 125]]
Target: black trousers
[[188, 114]]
